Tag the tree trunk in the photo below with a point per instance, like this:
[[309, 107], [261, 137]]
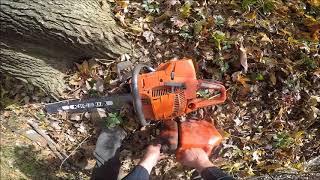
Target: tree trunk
[[39, 39]]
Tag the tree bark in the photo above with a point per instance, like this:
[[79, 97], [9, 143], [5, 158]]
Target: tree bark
[[39, 39]]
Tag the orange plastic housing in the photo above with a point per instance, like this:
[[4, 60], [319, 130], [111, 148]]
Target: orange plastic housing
[[171, 90], [190, 134], [198, 134]]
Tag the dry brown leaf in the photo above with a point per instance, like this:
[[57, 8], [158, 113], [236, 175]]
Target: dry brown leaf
[[148, 35], [315, 32], [178, 22], [265, 38], [252, 15], [317, 72], [273, 78], [99, 85], [314, 2], [238, 77], [243, 56], [75, 117], [83, 69], [121, 17]]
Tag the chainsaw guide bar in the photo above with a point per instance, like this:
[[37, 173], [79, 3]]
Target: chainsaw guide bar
[[112, 103]]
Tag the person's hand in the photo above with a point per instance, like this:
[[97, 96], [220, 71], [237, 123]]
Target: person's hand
[[151, 157], [195, 158]]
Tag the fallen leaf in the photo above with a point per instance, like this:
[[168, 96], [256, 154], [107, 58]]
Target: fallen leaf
[[243, 56], [75, 117], [231, 21], [250, 171], [90, 164], [55, 125], [314, 2], [172, 2], [120, 16], [315, 32], [256, 155], [197, 27], [238, 77], [99, 85], [238, 121], [88, 86], [135, 29], [185, 10], [83, 69], [292, 41], [82, 128], [273, 78], [265, 38], [123, 4], [101, 112], [148, 35], [251, 15], [317, 72]]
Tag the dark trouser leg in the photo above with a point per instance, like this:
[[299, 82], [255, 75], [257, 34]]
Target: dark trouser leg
[[107, 154]]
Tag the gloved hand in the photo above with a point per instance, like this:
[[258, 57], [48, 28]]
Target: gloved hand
[[109, 141]]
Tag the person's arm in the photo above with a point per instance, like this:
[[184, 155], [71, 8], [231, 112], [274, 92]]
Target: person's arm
[[143, 170], [198, 159], [138, 172], [215, 173]]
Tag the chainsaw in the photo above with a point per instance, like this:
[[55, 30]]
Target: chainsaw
[[162, 94], [176, 137]]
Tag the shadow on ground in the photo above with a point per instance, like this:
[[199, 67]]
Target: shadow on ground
[[31, 166], [22, 162]]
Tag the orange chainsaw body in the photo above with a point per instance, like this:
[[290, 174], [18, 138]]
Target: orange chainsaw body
[[171, 90], [190, 134]]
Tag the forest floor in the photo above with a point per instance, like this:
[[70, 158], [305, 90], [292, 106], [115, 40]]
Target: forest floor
[[265, 52]]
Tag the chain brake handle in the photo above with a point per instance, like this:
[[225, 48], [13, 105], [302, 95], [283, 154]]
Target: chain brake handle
[[204, 102], [137, 104]]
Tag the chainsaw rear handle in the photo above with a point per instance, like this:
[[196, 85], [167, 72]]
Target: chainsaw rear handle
[[203, 102], [137, 104]]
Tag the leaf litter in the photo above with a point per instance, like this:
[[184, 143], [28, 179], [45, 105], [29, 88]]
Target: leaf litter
[[265, 52]]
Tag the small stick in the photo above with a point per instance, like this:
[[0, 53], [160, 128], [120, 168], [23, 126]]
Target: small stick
[[73, 151], [44, 134], [51, 144]]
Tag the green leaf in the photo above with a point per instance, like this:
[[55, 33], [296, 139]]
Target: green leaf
[[219, 20], [151, 7], [268, 6], [259, 77], [113, 120], [198, 26], [283, 140], [185, 10], [204, 93], [218, 38], [185, 32], [246, 4]]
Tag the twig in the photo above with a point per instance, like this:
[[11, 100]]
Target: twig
[[73, 151], [51, 144], [56, 146]]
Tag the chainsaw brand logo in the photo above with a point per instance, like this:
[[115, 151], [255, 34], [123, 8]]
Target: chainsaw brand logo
[[87, 105]]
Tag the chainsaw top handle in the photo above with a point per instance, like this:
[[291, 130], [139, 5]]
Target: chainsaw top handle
[[203, 102], [137, 104]]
